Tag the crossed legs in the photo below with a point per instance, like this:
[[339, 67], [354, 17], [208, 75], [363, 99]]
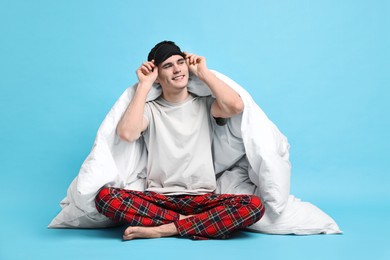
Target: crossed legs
[[153, 215]]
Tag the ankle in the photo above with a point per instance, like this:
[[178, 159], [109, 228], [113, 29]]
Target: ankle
[[167, 230]]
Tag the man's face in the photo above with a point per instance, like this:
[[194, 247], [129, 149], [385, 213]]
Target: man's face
[[173, 73]]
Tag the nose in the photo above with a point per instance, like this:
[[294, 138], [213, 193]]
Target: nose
[[176, 69]]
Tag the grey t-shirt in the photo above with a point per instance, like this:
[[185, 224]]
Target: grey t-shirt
[[178, 139]]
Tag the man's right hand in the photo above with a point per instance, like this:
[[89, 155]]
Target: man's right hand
[[147, 73], [133, 122]]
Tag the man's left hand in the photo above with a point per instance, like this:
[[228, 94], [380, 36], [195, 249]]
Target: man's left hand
[[197, 64]]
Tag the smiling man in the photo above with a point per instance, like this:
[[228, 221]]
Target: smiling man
[[177, 127]]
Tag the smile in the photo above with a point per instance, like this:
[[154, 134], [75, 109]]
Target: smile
[[178, 77]]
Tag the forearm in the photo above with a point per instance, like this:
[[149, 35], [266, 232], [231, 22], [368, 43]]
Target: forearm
[[132, 122], [228, 101]]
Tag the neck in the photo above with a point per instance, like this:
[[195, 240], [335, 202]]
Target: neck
[[175, 97]]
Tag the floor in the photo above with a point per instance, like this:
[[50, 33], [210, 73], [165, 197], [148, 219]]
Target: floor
[[25, 235]]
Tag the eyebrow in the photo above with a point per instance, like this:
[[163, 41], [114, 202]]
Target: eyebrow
[[166, 64], [171, 63]]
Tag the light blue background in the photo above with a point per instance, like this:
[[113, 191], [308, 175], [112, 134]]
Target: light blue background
[[319, 69]]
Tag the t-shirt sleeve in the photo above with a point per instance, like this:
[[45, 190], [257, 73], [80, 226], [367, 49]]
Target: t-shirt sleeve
[[215, 121], [209, 101]]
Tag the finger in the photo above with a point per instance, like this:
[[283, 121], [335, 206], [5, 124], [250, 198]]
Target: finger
[[145, 70], [151, 63], [188, 56], [155, 70], [196, 59], [190, 59], [142, 72], [147, 65], [154, 67]]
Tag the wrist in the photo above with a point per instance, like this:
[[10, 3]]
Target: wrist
[[144, 86], [204, 74]]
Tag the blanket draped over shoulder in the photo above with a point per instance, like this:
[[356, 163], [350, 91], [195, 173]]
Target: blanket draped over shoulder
[[262, 169]]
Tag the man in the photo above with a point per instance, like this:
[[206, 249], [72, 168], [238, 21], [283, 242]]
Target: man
[[177, 128]]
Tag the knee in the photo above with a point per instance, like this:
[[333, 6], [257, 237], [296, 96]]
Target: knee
[[103, 192], [257, 205], [255, 201]]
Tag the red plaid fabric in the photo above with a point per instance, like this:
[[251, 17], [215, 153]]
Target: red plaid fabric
[[215, 215]]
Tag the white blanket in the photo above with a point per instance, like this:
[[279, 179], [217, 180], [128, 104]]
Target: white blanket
[[264, 170]]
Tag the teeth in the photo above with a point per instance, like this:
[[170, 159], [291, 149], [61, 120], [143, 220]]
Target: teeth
[[178, 77]]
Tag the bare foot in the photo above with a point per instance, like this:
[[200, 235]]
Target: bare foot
[[150, 232], [140, 232]]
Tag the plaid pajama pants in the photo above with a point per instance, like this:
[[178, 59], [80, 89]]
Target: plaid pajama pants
[[215, 215]]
